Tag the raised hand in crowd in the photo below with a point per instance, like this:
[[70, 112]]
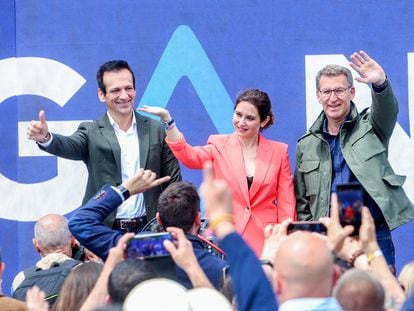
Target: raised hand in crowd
[[35, 300], [394, 294], [335, 232], [182, 253], [274, 236], [218, 203], [366, 255], [98, 294], [38, 130]]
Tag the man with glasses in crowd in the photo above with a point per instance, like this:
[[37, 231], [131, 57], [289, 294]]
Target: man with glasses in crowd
[[344, 146]]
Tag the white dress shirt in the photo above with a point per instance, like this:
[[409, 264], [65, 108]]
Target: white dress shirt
[[128, 141]]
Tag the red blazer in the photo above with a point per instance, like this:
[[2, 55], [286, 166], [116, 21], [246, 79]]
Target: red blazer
[[271, 196]]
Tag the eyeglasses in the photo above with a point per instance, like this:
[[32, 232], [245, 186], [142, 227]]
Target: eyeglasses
[[338, 92]]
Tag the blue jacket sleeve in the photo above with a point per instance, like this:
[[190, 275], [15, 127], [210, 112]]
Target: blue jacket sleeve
[[87, 224], [251, 286]]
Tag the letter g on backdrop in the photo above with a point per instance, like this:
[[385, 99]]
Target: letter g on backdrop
[[63, 192]]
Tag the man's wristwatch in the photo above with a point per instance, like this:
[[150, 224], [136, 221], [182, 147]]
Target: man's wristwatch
[[124, 191]]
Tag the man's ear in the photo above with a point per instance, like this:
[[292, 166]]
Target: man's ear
[[277, 286], [36, 246], [336, 274], [101, 95], [352, 92], [197, 220], [108, 300], [157, 215], [73, 242]]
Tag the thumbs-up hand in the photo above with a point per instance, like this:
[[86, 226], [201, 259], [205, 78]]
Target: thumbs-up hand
[[38, 130]]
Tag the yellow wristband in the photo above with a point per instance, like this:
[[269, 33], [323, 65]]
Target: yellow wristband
[[376, 254], [213, 223]]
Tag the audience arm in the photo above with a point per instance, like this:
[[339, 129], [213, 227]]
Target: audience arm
[[183, 255], [395, 296], [98, 294]]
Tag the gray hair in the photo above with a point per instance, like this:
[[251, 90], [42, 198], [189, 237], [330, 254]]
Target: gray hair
[[359, 290], [52, 232], [333, 70]]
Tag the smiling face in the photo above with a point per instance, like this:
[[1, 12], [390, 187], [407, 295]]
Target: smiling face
[[336, 107], [246, 120], [120, 93]]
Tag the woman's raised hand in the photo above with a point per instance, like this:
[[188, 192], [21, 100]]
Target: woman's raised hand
[[157, 111]]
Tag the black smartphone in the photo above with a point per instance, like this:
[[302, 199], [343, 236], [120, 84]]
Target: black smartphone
[[350, 202], [312, 226], [146, 245]]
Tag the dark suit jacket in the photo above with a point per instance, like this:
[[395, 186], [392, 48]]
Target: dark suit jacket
[[95, 143]]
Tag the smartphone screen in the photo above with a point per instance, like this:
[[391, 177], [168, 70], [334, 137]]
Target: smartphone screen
[[148, 245], [312, 226], [350, 202]]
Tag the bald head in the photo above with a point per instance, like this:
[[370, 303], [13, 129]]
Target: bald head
[[303, 260], [358, 290], [52, 234]]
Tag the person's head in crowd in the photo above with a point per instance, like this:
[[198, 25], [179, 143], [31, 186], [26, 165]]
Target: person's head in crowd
[[179, 206], [126, 275], [305, 267], [174, 296], [359, 290], [52, 235], [77, 286], [253, 103], [406, 278]]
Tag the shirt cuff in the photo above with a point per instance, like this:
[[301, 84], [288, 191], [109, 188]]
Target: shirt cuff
[[119, 193], [46, 144], [380, 88]]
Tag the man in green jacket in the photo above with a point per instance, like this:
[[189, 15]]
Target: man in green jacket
[[344, 146]]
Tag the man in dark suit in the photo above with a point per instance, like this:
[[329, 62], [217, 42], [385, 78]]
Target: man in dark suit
[[115, 147]]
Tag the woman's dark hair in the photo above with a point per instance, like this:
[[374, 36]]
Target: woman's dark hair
[[261, 101]]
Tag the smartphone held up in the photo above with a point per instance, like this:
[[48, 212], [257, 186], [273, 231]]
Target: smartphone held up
[[148, 245], [311, 226], [350, 202]]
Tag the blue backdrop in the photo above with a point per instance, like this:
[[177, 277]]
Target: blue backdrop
[[192, 56]]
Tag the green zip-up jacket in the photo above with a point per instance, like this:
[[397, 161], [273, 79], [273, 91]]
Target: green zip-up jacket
[[364, 143]]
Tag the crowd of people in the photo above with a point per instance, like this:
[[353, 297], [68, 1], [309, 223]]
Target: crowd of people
[[251, 199]]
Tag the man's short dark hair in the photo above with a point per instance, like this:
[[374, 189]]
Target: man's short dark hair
[[126, 275], [178, 205], [113, 65]]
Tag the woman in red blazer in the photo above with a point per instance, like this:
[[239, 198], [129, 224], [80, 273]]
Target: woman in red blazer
[[256, 169]]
